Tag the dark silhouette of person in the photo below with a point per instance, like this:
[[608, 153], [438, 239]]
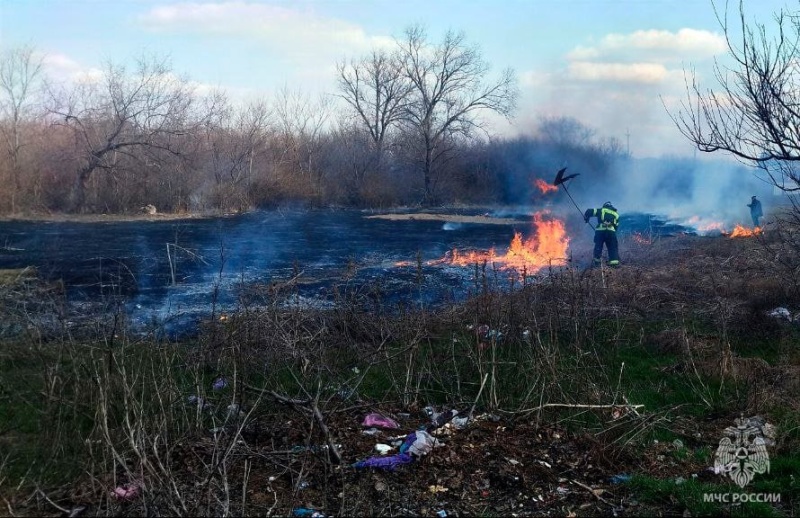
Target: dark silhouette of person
[[755, 211]]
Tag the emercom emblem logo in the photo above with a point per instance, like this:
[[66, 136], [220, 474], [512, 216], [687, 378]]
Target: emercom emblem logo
[[742, 452]]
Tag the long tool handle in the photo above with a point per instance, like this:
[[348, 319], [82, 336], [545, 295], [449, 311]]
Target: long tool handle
[[576, 205]]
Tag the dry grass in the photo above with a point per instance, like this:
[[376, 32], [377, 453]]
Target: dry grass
[[298, 379]]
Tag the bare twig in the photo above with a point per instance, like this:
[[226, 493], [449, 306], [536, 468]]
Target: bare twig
[[594, 492]]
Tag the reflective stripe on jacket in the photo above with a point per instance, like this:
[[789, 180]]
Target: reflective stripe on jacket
[[607, 219]]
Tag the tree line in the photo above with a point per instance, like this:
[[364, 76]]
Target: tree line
[[406, 125]]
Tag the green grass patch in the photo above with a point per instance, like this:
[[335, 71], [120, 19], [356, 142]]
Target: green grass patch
[[697, 498]]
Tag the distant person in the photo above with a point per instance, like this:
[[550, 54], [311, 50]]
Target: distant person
[[755, 210], [605, 233]]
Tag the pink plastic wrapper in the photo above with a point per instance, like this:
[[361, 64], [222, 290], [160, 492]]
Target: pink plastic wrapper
[[126, 492], [379, 421]]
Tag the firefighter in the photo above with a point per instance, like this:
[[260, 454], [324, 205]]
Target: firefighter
[[605, 233], [755, 210]]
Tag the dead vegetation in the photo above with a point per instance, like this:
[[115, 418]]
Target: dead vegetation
[[566, 378]]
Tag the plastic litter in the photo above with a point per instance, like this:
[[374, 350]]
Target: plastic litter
[[304, 512], [781, 313], [416, 444], [440, 419], [441, 513], [219, 383], [620, 479], [383, 449], [419, 443], [375, 419], [388, 463], [126, 492], [460, 422]]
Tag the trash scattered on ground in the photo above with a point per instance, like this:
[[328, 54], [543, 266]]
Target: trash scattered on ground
[[460, 422], [219, 383], [388, 463], [383, 449], [441, 513], [419, 443], [416, 444], [439, 419], [370, 431], [381, 421], [620, 479], [126, 492], [781, 313], [304, 512]]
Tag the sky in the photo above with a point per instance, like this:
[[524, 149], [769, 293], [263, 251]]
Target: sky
[[617, 66]]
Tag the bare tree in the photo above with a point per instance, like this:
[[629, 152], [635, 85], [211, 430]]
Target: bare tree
[[376, 89], [754, 111], [20, 75], [136, 114], [301, 124], [232, 140], [565, 131], [448, 92]]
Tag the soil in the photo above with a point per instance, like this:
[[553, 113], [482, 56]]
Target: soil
[[495, 466]]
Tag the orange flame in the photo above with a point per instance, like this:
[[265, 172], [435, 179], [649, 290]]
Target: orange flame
[[547, 248], [711, 227], [740, 231], [640, 239], [544, 186]]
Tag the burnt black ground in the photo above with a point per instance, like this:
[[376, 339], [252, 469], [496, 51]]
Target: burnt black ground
[[216, 260]]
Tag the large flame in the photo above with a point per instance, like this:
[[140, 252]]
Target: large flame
[[547, 247], [740, 231], [544, 187], [717, 227]]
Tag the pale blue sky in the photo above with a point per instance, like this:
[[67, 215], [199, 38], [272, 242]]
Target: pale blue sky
[[609, 63]]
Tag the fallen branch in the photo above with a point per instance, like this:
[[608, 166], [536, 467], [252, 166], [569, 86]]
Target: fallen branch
[[595, 492], [571, 405]]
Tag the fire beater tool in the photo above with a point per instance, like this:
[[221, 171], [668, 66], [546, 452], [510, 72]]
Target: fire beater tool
[[560, 181]]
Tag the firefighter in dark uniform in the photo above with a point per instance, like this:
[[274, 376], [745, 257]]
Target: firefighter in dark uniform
[[605, 233]]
